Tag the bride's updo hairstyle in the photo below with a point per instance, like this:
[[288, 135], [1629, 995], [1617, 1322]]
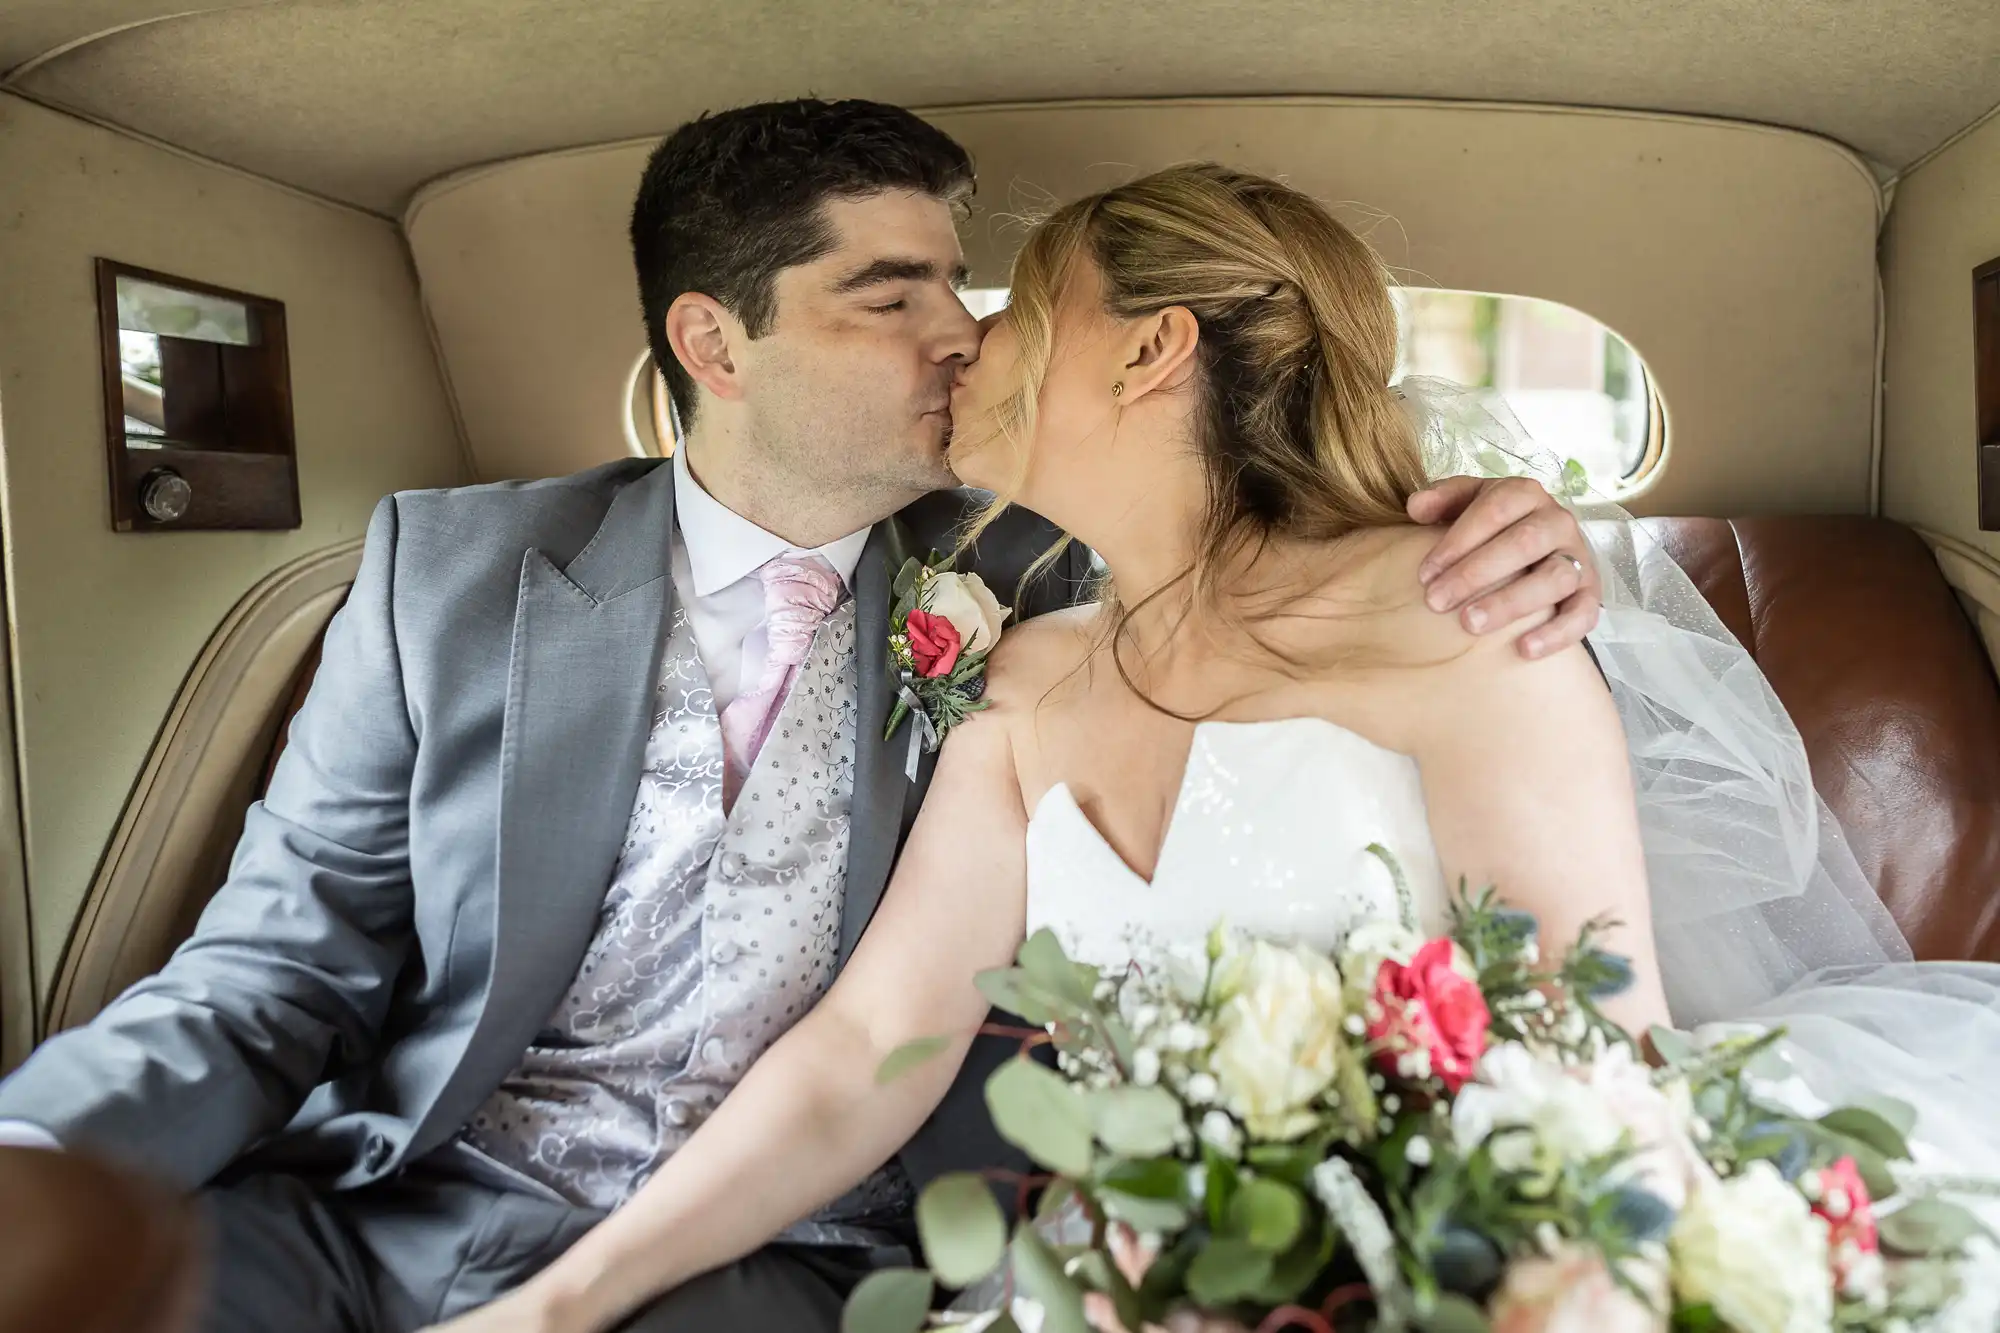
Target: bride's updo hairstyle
[[1298, 430]]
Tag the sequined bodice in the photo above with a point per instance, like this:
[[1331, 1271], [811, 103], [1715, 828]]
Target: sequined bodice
[[1270, 833]]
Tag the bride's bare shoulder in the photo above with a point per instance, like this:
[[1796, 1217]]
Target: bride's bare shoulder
[[1372, 601], [1039, 653]]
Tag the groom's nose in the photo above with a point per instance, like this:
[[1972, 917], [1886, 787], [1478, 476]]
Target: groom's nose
[[959, 342]]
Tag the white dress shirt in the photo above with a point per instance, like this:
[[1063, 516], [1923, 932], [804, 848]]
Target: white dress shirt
[[716, 555]]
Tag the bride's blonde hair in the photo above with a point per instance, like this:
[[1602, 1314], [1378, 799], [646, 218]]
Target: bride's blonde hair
[[1299, 433]]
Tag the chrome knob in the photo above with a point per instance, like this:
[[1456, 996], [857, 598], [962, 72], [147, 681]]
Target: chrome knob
[[165, 495]]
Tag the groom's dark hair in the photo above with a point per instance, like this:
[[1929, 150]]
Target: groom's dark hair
[[731, 199]]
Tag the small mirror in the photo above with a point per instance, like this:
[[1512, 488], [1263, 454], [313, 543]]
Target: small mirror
[[197, 404]]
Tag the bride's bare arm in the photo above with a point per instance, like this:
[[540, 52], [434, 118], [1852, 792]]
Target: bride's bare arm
[[1529, 788], [810, 1121]]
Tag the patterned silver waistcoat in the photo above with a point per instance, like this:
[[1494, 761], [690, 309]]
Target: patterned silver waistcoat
[[716, 935]]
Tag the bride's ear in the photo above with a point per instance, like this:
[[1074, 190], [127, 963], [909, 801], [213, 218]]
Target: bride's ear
[[1159, 353]]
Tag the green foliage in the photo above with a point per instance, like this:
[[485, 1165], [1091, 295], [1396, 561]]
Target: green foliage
[[963, 1233], [891, 1300]]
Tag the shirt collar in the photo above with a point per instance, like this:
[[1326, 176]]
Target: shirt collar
[[723, 546]]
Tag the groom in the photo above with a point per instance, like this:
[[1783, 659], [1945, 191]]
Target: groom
[[590, 798]]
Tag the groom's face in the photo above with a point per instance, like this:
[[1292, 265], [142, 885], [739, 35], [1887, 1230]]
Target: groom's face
[[852, 385]]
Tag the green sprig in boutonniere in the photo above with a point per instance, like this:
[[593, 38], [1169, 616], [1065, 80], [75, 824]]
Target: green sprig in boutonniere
[[941, 630]]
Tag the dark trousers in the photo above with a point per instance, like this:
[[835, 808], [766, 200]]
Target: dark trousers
[[287, 1255]]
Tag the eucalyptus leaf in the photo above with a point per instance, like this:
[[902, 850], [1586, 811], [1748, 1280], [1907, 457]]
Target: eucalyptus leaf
[[1676, 1048], [1041, 1276], [1150, 1194], [1141, 1213], [908, 1056], [1267, 1214], [963, 1233], [1228, 1270], [1452, 1313], [905, 585], [1900, 1114], [1290, 1162], [1120, 1036], [1925, 1227], [889, 1300], [1043, 959], [1038, 1112], [1857, 1122], [1148, 1178], [1874, 1169], [1298, 1268], [1012, 990], [1136, 1122]]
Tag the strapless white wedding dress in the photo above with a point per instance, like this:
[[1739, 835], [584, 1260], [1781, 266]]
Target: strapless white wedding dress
[[1270, 832]]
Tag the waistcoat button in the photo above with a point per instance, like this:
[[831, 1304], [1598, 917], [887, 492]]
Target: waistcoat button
[[713, 1051], [724, 953], [679, 1113]]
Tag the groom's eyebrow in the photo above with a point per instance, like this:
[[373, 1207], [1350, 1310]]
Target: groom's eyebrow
[[879, 271]]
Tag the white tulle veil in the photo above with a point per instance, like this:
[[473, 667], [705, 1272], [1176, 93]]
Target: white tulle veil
[[1754, 887]]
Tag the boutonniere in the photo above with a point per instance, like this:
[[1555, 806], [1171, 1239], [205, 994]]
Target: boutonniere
[[942, 628]]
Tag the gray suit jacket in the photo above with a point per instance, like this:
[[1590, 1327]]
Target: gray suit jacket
[[419, 885]]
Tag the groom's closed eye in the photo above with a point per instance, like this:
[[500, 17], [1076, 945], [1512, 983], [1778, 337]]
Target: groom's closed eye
[[882, 272]]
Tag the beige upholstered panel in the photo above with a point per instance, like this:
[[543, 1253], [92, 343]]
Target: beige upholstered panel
[[1739, 261], [1975, 576], [107, 624], [1945, 223], [179, 829], [366, 99]]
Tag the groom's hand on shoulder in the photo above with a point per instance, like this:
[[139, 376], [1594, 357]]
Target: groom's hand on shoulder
[[1511, 551]]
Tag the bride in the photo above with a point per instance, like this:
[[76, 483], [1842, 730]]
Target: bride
[[1193, 379]]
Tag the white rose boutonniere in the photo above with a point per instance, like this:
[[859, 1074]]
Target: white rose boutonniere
[[942, 627]]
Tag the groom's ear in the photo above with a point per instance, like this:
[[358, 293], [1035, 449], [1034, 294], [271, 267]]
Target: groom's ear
[[703, 336], [1160, 354]]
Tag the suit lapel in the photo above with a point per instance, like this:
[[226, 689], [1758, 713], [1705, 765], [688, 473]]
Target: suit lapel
[[879, 778], [585, 658]]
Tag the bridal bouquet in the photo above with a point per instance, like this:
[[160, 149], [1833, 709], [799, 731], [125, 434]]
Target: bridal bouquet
[[1439, 1134]]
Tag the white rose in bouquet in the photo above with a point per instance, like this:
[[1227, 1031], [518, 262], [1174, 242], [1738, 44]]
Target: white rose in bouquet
[[1750, 1247], [1665, 1160], [1277, 1037], [1566, 1119], [970, 606]]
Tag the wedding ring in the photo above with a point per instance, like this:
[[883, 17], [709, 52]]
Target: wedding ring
[[1575, 563]]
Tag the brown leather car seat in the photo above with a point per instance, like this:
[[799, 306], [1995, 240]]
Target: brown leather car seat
[[1890, 687], [1892, 690]]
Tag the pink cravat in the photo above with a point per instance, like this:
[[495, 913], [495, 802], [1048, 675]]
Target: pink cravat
[[799, 592]]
